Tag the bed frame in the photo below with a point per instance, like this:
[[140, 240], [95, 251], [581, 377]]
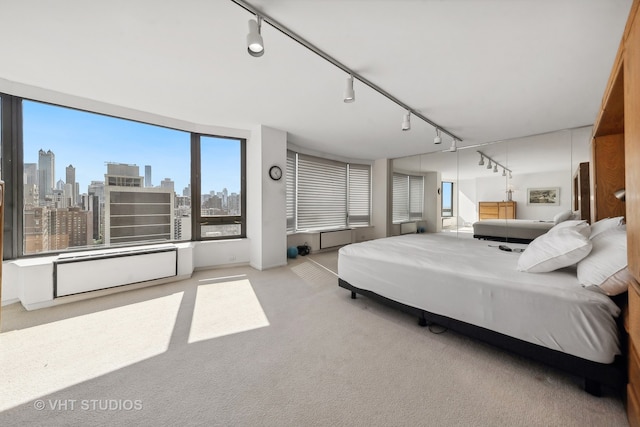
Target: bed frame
[[595, 374]]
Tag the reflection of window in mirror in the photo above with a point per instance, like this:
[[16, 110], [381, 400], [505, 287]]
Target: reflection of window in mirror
[[447, 199]]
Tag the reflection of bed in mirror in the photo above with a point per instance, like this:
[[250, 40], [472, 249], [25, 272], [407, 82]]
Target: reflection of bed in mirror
[[510, 230], [518, 230]]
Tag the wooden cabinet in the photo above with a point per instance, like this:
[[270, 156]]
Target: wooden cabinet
[[608, 175], [497, 210], [619, 119]]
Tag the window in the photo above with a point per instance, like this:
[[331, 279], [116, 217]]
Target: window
[[326, 194], [447, 198], [221, 204], [408, 197], [88, 180]]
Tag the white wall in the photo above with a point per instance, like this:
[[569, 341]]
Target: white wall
[[265, 245], [381, 215]]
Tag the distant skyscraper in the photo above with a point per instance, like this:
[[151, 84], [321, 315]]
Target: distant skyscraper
[[167, 183], [30, 174], [60, 185], [147, 176], [46, 174], [71, 179], [187, 191]]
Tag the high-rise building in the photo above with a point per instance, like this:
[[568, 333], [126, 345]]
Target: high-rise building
[[36, 229], [46, 174], [133, 213], [71, 179], [167, 183], [30, 174], [147, 176], [187, 191], [69, 228]]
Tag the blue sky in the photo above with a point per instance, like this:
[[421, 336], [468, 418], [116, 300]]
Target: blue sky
[[87, 141]]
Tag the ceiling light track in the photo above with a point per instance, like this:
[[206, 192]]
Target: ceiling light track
[[495, 164], [287, 32]]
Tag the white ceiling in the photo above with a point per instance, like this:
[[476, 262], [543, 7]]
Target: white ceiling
[[486, 70]]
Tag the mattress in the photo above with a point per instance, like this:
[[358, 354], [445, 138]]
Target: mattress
[[524, 229], [475, 282]]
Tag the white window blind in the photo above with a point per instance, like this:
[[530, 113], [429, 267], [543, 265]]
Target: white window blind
[[359, 195], [408, 197], [416, 195], [322, 193], [400, 198], [291, 190]]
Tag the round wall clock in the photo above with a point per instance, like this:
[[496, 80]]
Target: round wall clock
[[275, 173]]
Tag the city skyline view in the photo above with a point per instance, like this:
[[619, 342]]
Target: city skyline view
[[89, 141]]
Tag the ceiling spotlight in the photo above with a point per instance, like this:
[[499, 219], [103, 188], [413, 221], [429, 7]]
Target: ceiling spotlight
[[504, 172], [349, 94], [454, 146], [495, 168], [510, 175], [437, 139], [255, 45], [489, 165], [481, 162], [406, 121]]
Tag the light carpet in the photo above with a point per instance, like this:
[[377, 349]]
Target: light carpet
[[282, 347]]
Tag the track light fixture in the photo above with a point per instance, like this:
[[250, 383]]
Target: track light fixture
[[254, 34], [437, 139], [492, 164], [406, 121], [255, 44], [349, 93], [454, 146]]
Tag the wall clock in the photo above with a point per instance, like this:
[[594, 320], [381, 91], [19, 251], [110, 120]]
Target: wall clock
[[275, 173]]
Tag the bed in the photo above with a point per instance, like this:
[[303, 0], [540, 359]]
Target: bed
[[473, 287], [510, 230]]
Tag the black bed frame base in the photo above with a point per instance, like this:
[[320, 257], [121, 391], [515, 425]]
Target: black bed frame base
[[595, 374], [502, 239]]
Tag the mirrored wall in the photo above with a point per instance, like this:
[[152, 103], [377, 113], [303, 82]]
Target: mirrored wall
[[533, 178]]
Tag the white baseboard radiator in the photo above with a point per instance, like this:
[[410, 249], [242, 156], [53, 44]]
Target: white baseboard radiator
[[330, 239], [85, 273], [408, 227]]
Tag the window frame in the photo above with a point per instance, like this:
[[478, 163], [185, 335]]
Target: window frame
[[12, 169]]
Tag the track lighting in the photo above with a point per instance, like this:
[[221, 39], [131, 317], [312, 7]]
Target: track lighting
[[406, 121], [349, 94], [255, 44], [492, 164], [437, 139], [454, 146]]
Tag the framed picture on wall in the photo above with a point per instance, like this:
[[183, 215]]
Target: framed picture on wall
[[543, 196]]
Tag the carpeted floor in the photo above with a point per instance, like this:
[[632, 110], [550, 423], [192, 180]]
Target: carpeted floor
[[282, 347]]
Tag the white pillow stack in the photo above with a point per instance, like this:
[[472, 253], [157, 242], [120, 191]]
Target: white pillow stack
[[564, 245], [605, 269]]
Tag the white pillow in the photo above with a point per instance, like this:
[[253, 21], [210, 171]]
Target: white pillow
[[581, 226], [605, 265], [605, 224], [552, 251], [562, 216], [575, 215]]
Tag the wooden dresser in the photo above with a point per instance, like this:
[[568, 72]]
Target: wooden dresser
[[619, 119], [497, 210]]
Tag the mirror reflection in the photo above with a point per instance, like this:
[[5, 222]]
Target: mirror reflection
[[511, 190]]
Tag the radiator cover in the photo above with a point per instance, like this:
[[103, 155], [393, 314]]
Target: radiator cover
[[85, 273]]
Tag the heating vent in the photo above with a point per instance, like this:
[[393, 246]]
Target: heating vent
[[329, 239], [84, 273], [408, 227]]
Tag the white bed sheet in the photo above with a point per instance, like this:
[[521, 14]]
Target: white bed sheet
[[472, 281]]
